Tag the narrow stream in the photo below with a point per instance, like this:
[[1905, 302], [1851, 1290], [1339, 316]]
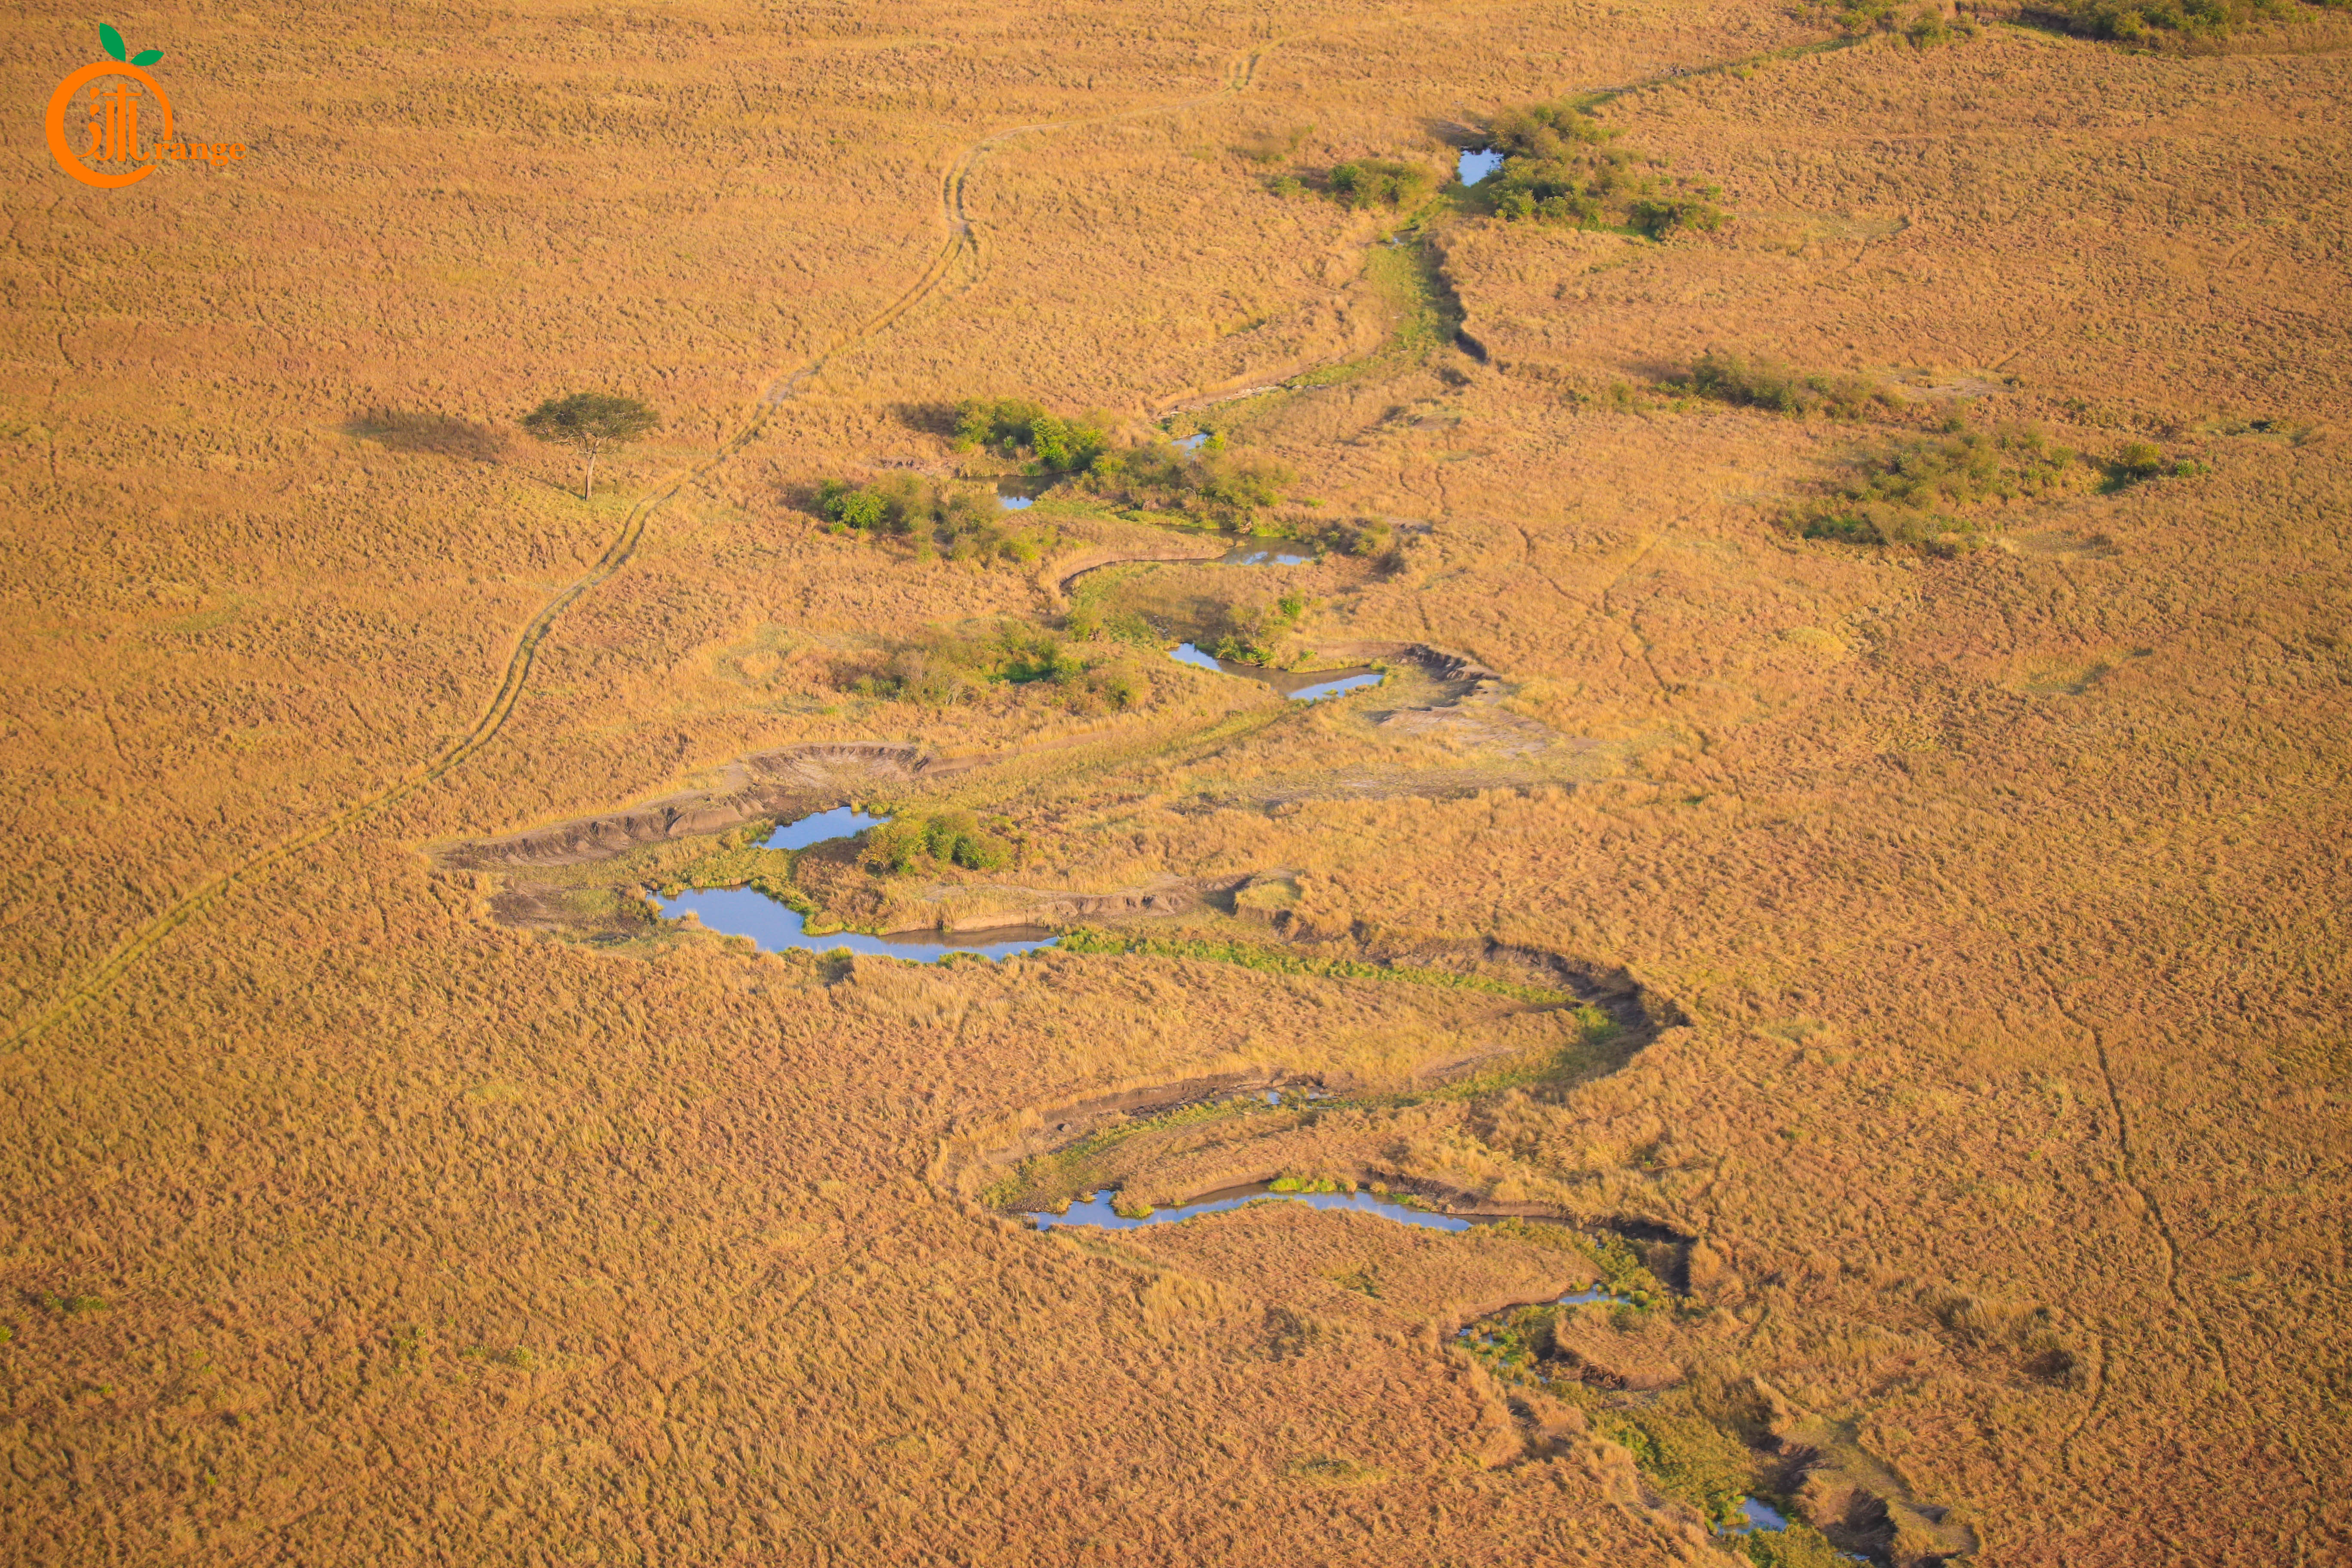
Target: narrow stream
[[1312, 685], [1094, 1211], [744, 911]]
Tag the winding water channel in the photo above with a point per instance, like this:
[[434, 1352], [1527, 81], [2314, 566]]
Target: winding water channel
[[744, 911], [777, 928], [1311, 686]]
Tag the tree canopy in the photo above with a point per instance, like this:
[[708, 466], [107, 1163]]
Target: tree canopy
[[591, 421]]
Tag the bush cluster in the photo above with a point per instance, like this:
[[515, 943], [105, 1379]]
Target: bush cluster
[[1014, 428], [2143, 21], [1211, 484], [1254, 633], [1562, 166], [948, 670], [1769, 384], [1903, 492], [1378, 183], [910, 842], [958, 523], [1922, 26]]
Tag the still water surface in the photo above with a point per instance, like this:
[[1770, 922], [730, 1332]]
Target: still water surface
[[743, 911], [1310, 686], [841, 822], [1476, 166]]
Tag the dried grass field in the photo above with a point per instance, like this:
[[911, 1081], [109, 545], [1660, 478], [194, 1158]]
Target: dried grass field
[[1848, 854]]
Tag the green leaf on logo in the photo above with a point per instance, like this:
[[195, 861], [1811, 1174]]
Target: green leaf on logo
[[146, 57], [112, 40]]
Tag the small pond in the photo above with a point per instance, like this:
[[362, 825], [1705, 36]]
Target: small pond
[[1476, 166], [1311, 686], [1192, 443], [1760, 1516], [1094, 1212], [841, 822], [1256, 554], [1019, 492], [743, 911]]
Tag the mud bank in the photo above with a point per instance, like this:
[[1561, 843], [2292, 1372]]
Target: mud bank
[[768, 785]]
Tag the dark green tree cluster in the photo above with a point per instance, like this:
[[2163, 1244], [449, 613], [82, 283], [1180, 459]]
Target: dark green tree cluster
[[2177, 21], [1771, 385], [1226, 488], [910, 842], [1015, 428], [1379, 183], [951, 520], [1562, 166]]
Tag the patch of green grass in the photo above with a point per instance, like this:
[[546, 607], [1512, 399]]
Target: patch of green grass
[[943, 668], [1921, 27], [1774, 386], [1910, 491], [738, 862], [1799, 1546]]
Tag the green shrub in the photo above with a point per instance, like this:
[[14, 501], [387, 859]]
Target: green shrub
[[954, 519], [1254, 633], [1905, 492], [1014, 428], [1768, 383], [1374, 182], [1211, 484], [1562, 166], [948, 669], [909, 843]]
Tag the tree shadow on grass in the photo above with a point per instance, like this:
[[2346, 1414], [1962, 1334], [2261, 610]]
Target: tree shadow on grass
[[432, 435]]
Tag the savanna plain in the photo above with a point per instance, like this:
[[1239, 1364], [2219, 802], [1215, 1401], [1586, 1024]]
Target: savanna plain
[[1830, 852]]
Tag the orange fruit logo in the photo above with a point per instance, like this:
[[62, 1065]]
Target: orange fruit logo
[[112, 154]]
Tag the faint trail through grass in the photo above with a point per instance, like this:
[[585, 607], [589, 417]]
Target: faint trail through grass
[[962, 237]]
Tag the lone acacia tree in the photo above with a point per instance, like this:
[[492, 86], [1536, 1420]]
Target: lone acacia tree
[[591, 421]]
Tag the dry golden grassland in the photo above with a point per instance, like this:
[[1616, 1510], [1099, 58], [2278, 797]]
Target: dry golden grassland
[[1916, 971]]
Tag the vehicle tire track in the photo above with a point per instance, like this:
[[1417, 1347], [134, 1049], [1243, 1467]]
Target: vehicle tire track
[[962, 239]]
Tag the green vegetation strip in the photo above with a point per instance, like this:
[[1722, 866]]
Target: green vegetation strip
[[1679, 1448]]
